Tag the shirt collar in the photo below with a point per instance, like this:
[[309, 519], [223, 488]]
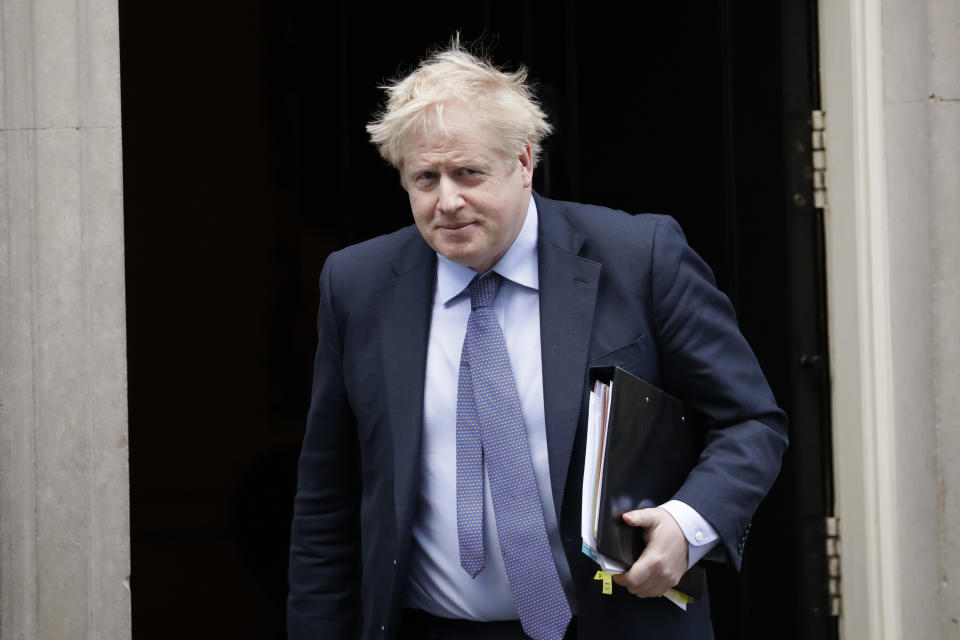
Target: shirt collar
[[518, 264]]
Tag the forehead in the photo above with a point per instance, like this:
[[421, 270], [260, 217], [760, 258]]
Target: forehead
[[457, 137], [449, 146]]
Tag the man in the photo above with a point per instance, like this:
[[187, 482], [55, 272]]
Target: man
[[439, 491]]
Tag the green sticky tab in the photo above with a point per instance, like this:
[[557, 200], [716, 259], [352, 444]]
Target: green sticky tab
[[607, 584], [598, 575]]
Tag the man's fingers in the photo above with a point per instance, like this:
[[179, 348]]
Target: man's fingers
[[663, 560], [642, 517], [646, 578], [636, 577]]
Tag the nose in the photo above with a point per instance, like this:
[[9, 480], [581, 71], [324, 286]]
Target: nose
[[449, 199]]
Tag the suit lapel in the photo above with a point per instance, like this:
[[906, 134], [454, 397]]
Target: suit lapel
[[568, 296], [405, 327]]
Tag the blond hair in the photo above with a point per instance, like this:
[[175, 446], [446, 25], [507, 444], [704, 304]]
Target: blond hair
[[500, 100]]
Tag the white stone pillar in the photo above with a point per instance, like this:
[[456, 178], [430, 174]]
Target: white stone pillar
[[890, 73], [64, 488], [921, 105], [943, 101]]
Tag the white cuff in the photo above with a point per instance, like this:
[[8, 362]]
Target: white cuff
[[701, 537]]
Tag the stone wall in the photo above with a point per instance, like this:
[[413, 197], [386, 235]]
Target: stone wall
[[921, 69], [64, 506]]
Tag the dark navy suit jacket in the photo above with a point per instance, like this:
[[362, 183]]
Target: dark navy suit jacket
[[614, 289]]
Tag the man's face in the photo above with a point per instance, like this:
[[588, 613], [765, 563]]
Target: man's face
[[468, 199]]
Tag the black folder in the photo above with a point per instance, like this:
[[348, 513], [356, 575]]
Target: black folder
[[653, 441]]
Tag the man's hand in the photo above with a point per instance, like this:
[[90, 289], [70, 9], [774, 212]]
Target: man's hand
[[663, 561]]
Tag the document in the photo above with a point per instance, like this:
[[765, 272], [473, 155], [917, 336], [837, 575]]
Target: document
[[641, 444], [593, 472]]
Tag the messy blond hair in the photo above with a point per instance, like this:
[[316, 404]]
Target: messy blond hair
[[502, 101]]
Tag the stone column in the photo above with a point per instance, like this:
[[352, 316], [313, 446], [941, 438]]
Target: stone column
[[891, 90], [943, 104], [64, 489], [922, 122]]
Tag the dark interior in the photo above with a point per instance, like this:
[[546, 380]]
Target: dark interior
[[246, 163]]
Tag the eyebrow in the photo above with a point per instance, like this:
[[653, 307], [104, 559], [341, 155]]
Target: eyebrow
[[453, 163]]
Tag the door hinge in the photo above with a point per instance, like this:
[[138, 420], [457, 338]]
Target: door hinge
[[819, 147], [832, 540]]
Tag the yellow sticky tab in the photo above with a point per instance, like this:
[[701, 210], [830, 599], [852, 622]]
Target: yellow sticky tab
[[607, 584], [680, 596], [607, 581]]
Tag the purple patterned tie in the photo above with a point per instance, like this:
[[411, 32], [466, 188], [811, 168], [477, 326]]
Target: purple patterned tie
[[490, 431]]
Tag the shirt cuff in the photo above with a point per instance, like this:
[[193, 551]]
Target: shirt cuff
[[701, 537]]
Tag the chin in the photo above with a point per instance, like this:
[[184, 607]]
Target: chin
[[459, 254], [466, 261]]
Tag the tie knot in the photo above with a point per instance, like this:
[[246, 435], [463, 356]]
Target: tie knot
[[483, 290]]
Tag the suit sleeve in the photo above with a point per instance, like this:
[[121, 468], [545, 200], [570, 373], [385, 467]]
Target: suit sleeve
[[325, 534], [708, 363]]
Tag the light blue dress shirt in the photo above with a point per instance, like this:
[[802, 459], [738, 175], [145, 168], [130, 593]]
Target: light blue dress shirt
[[437, 583]]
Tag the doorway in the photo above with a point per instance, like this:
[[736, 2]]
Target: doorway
[[246, 163]]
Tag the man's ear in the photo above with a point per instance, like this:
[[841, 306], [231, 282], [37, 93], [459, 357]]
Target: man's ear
[[526, 164]]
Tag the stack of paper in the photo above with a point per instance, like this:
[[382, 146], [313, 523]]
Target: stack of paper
[[597, 422]]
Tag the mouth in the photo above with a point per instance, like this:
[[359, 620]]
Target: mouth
[[455, 226]]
